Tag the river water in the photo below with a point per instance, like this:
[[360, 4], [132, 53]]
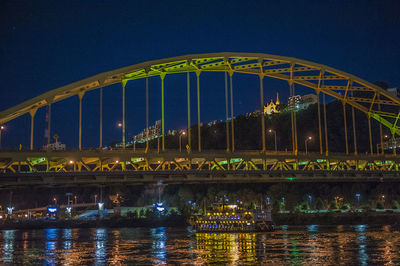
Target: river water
[[294, 245]]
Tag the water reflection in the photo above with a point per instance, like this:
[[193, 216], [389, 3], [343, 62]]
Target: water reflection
[[228, 247], [308, 245], [101, 241], [8, 246], [159, 252]]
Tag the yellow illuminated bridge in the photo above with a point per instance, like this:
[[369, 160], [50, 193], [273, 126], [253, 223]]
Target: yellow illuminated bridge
[[194, 165]]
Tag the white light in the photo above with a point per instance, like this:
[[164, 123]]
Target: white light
[[52, 210], [101, 206], [71, 162]]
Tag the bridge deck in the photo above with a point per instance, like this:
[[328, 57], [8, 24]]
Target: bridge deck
[[126, 166]]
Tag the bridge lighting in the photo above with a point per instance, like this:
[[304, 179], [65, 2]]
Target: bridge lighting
[[183, 133], [273, 131], [100, 205], [71, 162], [10, 210], [306, 142], [1, 129], [117, 161], [68, 209]]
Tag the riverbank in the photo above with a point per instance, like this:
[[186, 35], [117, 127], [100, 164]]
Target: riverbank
[[329, 218], [175, 221]]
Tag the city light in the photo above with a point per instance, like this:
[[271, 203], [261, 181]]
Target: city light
[[10, 210], [52, 209], [160, 207], [100, 206]]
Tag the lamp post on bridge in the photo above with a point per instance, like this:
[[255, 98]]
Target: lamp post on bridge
[[1, 129], [180, 140], [306, 142], [276, 146]]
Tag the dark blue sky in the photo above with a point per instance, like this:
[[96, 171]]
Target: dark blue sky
[[47, 44]]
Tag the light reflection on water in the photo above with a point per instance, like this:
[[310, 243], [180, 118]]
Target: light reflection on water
[[313, 244]]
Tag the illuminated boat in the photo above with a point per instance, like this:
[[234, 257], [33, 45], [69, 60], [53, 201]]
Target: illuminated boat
[[231, 218]]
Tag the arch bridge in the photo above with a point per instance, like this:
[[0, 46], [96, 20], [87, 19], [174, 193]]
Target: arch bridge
[[352, 91]]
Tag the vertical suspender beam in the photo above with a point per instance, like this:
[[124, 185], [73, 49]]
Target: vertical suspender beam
[[262, 111], [49, 124], [188, 108], [370, 135], [326, 126], [354, 128], [162, 76], [147, 114], [123, 114], [319, 112], [101, 119], [293, 113], [319, 123], [226, 112], [232, 122], [32, 113], [380, 128], [198, 111], [345, 127], [80, 96]]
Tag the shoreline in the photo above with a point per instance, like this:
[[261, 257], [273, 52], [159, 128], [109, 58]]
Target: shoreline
[[330, 218]]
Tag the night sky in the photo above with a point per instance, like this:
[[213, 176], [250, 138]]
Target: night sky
[[48, 44]]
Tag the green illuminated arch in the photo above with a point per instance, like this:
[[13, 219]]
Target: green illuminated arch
[[363, 95]]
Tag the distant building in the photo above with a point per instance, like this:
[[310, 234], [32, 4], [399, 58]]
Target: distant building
[[153, 132], [272, 108], [57, 146], [394, 92], [298, 102]]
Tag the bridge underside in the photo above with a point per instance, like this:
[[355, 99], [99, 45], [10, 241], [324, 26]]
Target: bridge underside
[[108, 167]]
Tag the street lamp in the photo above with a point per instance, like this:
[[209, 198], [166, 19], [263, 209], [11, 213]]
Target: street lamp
[[358, 199], [1, 129], [55, 201], [305, 142], [274, 131], [180, 140]]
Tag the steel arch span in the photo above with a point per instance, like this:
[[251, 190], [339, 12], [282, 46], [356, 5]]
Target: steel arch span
[[370, 99]]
